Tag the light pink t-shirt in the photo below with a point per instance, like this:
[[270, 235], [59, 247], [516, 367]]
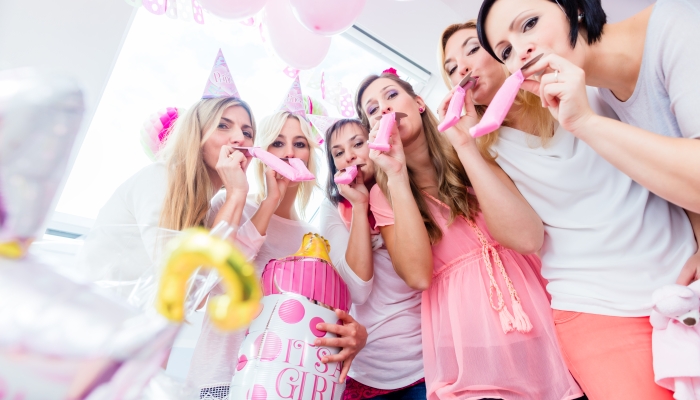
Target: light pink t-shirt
[[386, 306]]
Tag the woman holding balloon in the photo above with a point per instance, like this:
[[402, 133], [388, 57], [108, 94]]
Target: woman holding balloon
[[277, 213]]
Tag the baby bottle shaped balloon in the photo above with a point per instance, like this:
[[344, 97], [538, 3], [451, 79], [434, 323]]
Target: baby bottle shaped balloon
[[278, 358]]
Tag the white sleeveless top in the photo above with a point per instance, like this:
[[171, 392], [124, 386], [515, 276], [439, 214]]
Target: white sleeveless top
[[609, 242]]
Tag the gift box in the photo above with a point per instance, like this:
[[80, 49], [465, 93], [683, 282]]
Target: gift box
[[278, 358]]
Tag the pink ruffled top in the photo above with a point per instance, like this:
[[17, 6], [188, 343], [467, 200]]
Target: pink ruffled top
[[308, 276]]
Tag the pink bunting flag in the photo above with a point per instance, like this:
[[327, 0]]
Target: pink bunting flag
[[291, 72], [197, 13], [345, 104], [220, 83], [248, 22], [157, 7]]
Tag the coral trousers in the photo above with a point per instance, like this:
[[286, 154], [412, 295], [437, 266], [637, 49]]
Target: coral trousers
[[610, 357]]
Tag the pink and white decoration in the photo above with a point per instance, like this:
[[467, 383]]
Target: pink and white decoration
[[278, 358], [220, 82], [157, 128], [675, 339]]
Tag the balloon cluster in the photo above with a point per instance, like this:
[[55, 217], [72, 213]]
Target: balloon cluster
[[299, 31]]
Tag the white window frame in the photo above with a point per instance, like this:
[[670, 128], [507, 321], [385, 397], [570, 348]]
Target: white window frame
[[73, 226]]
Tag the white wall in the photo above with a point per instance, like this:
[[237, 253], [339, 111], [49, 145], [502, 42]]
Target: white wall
[[81, 38]]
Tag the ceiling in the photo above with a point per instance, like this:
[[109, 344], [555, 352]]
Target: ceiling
[[83, 37]]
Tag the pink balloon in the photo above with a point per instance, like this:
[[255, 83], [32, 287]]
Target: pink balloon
[[233, 9], [327, 17], [291, 311], [258, 393], [295, 45]]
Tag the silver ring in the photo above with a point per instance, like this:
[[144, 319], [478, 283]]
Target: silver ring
[[556, 75]]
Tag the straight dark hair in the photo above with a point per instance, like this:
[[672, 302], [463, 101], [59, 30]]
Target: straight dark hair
[[594, 19], [332, 192]]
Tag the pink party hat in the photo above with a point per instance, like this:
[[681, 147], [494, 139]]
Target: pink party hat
[[220, 83], [294, 101], [321, 123]]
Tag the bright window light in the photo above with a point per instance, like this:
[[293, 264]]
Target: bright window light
[[165, 63]]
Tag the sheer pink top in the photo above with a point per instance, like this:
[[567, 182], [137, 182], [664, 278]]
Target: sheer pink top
[[486, 319]]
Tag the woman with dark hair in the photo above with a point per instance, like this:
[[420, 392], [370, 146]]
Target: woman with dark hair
[[645, 69], [602, 296], [391, 364], [486, 321]]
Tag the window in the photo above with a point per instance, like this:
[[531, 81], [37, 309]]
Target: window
[[165, 63]]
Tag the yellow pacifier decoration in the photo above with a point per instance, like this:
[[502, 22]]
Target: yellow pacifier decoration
[[13, 249], [197, 248], [314, 245]]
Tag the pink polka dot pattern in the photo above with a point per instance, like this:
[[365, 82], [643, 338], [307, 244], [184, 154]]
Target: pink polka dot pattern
[[242, 361], [291, 311], [272, 346], [197, 12], [346, 107], [258, 392], [312, 326], [157, 7]]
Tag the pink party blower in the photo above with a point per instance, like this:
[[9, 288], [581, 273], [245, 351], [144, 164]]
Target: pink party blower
[[386, 124], [454, 110], [348, 176], [295, 170], [501, 103]]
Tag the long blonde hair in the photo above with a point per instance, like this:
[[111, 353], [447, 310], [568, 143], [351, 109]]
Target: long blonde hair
[[453, 182], [189, 189], [270, 128], [527, 110]]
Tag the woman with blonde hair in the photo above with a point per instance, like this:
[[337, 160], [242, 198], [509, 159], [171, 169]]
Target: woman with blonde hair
[[278, 213], [608, 243], [174, 193], [486, 323], [198, 159]]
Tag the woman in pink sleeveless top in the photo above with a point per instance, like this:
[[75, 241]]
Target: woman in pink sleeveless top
[[486, 320]]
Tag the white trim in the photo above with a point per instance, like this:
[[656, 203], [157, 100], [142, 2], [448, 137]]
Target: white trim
[[418, 75], [69, 223]]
